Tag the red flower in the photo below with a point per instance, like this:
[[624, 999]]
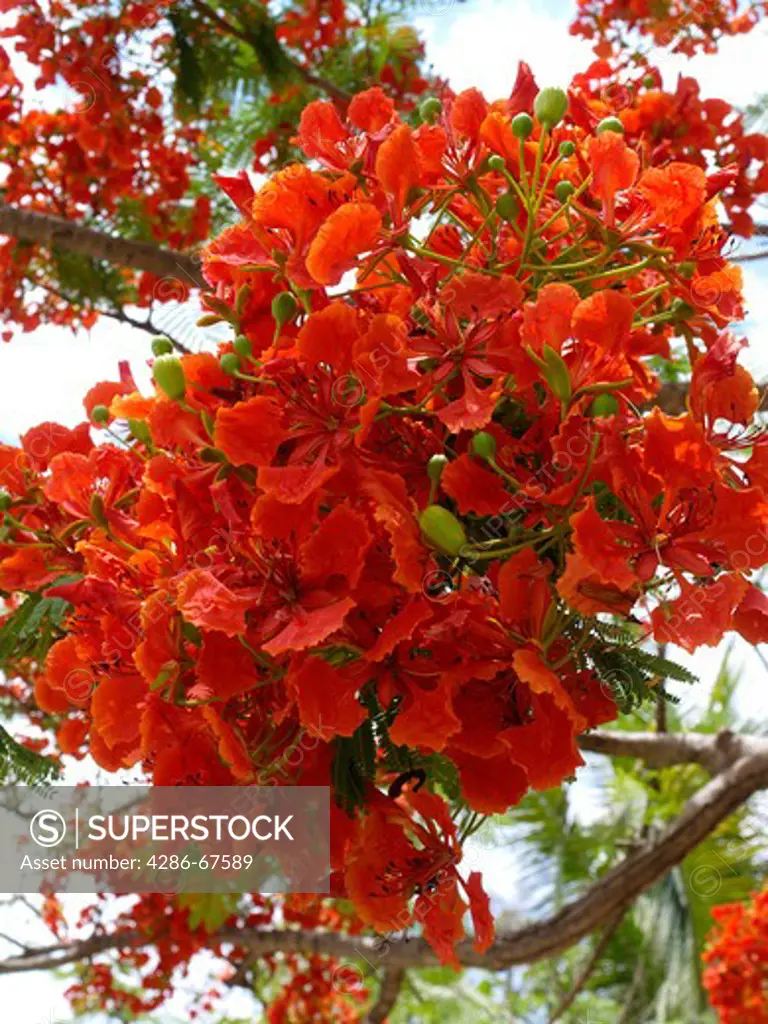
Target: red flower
[[405, 848]]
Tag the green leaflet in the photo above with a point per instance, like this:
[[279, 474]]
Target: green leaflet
[[31, 630], [20, 765]]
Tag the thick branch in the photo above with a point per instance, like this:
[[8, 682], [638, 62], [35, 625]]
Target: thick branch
[[49, 230], [51, 957], [660, 750], [599, 905]]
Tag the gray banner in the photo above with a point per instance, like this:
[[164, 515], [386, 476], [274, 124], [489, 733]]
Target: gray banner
[[127, 839]]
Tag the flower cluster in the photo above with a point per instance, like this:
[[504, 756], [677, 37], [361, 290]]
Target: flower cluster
[[112, 154], [123, 153], [684, 26], [664, 126], [303, 988], [405, 533], [736, 975]]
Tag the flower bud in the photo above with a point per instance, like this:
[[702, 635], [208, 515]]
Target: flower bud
[[242, 346], [430, 109], [522, 125], [550, 106], [98, 512], [100, 414], [497, 162], [442, 529], [507, 206], [567, 148], [604, 405], [563, 191], [556, 374], [649, 81], [161, 346], [484, 445], [140, 431], [610, 124], [5, 501], [435, 467], [284, 308], [230, 363], [168, 374], [243, 295]]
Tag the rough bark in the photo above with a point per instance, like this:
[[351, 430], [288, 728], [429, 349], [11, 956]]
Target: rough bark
[[661, 750], [46, 229]]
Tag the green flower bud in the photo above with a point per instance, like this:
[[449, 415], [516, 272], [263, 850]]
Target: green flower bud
[[497, 163], [100, 414], [649, 81], [550, 106], [242, 346], [604, 405], [230, 363], [567, 148], [140, 431], [168, 374], [284, 306], [5, 501], [687, 270], [435, 467], [507, 206], [442, 529], [243, 295], [610, 124], [430, 109], [484, 445], [522, 125], [556, 374], [161, 346], [563, 191], [98, 512]]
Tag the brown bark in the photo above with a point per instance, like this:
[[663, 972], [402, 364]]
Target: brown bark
[[656, 750], [391, 986], [46, 229]]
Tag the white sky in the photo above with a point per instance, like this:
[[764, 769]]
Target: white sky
[[44, 375]]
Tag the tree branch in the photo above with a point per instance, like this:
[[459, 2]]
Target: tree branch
[[391, 986], [46, 958], [144, 325], [661, 750], [324, 84], [598, 906], [46, 229]]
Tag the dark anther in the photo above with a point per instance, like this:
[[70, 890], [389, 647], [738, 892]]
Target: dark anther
[[398, 785]]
